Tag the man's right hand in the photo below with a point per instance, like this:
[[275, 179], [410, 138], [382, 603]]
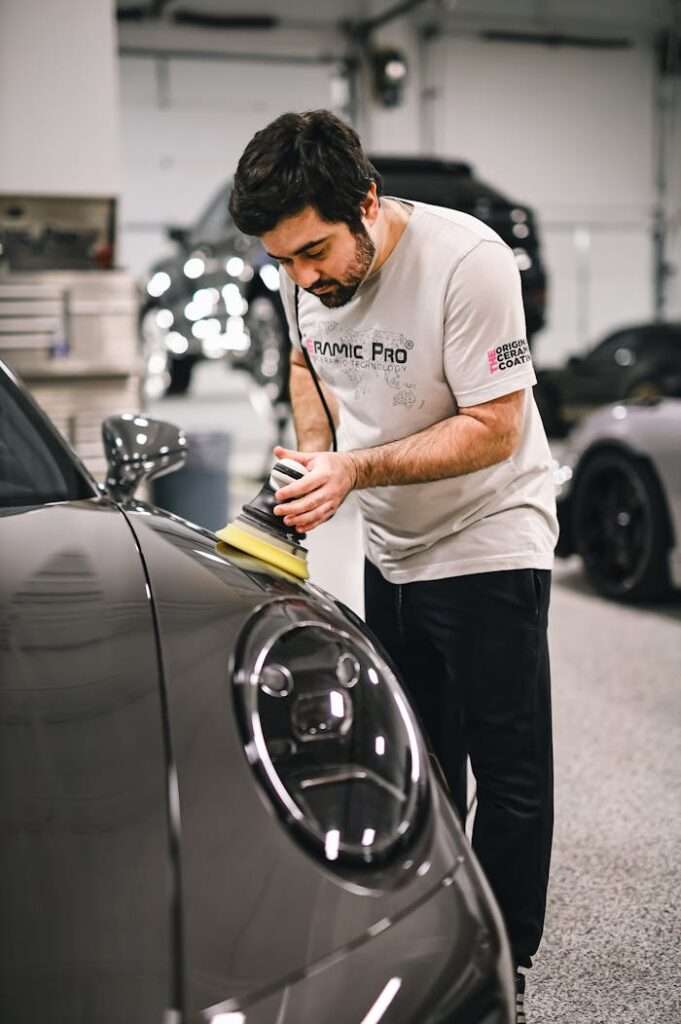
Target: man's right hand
[[317, 496]]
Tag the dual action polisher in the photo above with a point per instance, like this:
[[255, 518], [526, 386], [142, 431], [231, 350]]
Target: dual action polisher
[[257, 531]]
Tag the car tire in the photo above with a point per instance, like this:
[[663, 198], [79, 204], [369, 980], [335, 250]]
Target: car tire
[[180, 371], [621, 527]]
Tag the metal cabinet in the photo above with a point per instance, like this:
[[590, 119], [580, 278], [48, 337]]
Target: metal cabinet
[[72, 337]]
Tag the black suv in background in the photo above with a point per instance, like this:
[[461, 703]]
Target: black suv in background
[[453, 184], [218, 296]]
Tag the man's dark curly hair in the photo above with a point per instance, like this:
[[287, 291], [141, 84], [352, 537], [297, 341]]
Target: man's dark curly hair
[[300, 160]]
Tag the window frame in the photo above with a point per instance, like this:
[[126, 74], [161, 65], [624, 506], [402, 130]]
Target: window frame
[[78, 484]]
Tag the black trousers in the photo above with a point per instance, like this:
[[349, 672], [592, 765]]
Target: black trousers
[[473, 654]]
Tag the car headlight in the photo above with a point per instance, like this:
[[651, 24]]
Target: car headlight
[[329, 732], [158, 284]]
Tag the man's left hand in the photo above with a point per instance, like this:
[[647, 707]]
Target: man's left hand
[[310, 501]]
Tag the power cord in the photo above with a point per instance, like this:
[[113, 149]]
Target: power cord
[[306, 356]]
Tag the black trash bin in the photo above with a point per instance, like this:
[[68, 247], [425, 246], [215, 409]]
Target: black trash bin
[[199, 491]]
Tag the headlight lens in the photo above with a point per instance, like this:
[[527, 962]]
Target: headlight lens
[[158, 284], [329, 732]]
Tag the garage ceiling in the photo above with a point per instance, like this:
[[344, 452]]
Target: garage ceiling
[[636, 16], [324, 12]]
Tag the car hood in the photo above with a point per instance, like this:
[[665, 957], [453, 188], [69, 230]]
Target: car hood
[[203, 595], [178, 553]]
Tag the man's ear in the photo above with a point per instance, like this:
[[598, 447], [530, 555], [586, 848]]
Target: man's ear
[[370, 204]]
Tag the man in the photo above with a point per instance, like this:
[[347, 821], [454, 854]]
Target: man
[[412, 317]]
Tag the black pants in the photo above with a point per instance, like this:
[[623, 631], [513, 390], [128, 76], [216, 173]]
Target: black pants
[[473, 654]]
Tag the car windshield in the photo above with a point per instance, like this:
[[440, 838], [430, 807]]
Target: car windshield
[[215, 221], [432, 185], [609, 346], [35, 467]]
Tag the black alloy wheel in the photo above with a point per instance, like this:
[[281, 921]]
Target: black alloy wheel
[[621, 527]]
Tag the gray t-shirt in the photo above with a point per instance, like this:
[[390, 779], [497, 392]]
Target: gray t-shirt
[[439, 327]]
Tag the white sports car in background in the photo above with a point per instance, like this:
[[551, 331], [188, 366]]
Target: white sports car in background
[[619, 499]]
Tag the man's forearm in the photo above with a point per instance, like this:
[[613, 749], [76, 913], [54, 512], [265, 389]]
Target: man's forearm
[[309, 419], [475, 438], [453, 447]]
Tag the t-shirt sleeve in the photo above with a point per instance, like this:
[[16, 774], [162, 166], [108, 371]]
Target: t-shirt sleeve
[[486, 354], [287, 290]]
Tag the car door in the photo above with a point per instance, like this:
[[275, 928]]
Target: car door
[[86, 932]]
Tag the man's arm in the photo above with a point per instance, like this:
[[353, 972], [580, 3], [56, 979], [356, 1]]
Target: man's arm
[[309, 419], [477, 437]]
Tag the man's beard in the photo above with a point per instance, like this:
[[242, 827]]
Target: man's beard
[[340, 292]]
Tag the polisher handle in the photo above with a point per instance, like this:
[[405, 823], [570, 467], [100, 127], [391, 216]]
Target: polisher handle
[[284, 471]]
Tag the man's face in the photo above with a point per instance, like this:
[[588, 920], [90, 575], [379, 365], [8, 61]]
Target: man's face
[[326, 259]]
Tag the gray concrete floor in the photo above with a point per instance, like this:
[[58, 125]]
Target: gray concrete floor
[[612, 946], [611, 952]]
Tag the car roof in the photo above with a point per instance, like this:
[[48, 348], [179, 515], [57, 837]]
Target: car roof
[[656, 327], [422, 165], [449, 183], [642, 332]]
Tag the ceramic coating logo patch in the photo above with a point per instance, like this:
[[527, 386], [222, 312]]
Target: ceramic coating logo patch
[[505, 357]]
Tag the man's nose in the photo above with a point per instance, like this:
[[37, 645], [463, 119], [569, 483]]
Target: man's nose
[[305, 277]]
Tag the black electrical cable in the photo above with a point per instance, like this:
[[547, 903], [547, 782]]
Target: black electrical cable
[[306, 355]]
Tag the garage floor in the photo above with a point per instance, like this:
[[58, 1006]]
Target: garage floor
[[612, 947]]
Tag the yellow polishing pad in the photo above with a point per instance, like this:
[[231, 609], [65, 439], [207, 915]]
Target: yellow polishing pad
[[246, 541]]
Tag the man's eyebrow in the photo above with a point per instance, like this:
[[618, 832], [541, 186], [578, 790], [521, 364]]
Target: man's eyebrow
[[302, 249]]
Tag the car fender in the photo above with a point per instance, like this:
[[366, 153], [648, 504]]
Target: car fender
[[203, 597]]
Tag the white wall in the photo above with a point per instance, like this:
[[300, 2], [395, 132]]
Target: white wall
[[672, 97], [570, 132], [393, 129], [58, 98], [185, 122]]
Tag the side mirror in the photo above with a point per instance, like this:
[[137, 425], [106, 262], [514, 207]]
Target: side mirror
[[179, 235], [138, 448]]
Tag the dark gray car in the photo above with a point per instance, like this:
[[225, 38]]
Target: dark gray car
[[640, 361], [216, 803]]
